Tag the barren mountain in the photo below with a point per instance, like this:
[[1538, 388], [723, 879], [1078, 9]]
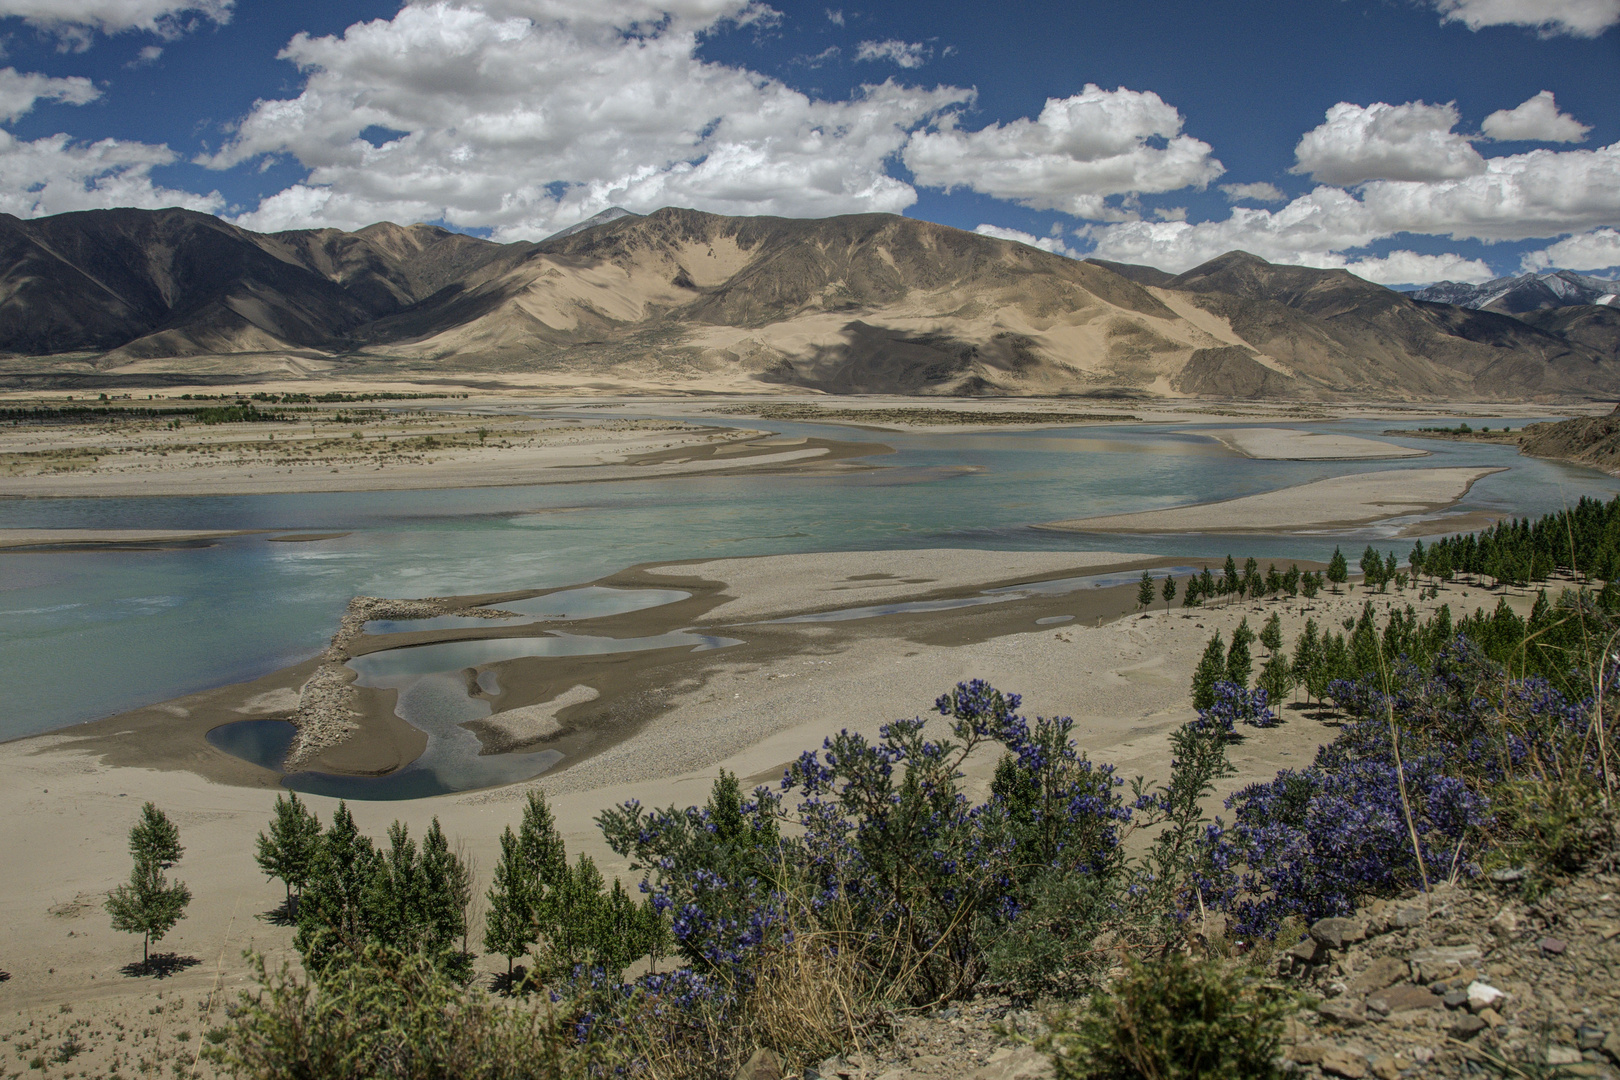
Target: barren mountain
[[1527, 292], [857, 304]]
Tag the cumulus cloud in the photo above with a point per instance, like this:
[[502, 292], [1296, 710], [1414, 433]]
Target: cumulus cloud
[[1260, 192], [1596, 250], [907, 54], [1414, 141], [19, 92], [1537, 120], [1577, 18], [1516, 197], [526, 116], [75, 21], [1079, 151], [1045, 243], [53, 175]]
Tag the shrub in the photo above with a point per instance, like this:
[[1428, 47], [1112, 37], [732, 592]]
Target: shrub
[[1172, 1018], [392, 1016]]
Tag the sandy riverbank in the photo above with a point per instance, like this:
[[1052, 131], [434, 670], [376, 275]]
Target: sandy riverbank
[[69, 801], [1339, 501], [1292, 444]]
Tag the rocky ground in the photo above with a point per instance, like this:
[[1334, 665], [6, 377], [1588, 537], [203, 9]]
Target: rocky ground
[[1463, 981]]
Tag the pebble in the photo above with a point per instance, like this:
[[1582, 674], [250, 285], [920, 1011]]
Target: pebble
[[1552, 946]]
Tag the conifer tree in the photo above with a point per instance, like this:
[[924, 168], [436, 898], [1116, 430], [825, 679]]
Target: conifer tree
[[1415, 559], [1372, 568], [1271, 633], [1291, 580], [1275, 679], [1389, 568], [1239, 664], [1338, 571], [1305, 650], [1310, 584], [509, 924], [1211, 669], [1274, 580], [1206, 585], [445, 883], [333, 915], [1169, 590], [1229, 577], [148, 904], [1144, 591], [288, 852]]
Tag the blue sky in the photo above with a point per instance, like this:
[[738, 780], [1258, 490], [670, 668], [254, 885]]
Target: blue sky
[[1408, 140]]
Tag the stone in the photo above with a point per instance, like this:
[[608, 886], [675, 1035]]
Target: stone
[[1409, 915], [1455, 999], [1467, 1025], [1384, 1067], [1508, 876], [1382, 972], [1344, 1012], [1611, 1047], [1492, 1018], [1337, 1062], [1551, 946], [1307, 1054], [1401, 998], [1588, 1037], [762, 1064], [1336, 933], [1441, 961], [1308, 951], [1506, 923], [1562, 1055], [1481, 996], [1021, 1063]]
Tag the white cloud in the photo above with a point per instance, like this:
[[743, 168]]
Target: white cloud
[[1260, 192], [19, 92], [1596, 250], [528, 125], [1577, 18], [835, 16], [1537, 120], [1410, 268], [907, 54], [1045, 243], [1386, 142], [1080, 150], [54, 176], [75, 21]]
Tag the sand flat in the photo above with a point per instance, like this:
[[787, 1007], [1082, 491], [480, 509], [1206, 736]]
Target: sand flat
[[777, 585], [1357, 499], [1292, 444]]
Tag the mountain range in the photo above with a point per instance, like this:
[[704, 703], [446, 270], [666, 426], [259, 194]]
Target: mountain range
[[1525, 293], [679, 299]]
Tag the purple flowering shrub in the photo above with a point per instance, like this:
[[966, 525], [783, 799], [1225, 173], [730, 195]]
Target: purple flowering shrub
[[884, 846], [1235, 704], [1495, 769]]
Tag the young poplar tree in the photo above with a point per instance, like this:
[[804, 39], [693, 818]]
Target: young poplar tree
[[333, 913], [1305, 649], [288, 852], [1169, 590], [1310, 584], [148, 904], [509, 925], [1144, 591]]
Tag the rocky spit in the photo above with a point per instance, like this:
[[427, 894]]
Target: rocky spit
[[326, 715]]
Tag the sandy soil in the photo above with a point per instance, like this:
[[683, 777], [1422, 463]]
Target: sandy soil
[[1356, 499], [1291, 444], [69, 803]]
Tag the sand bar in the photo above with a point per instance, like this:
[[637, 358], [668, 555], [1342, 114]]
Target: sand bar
[[1357, 499], [1292, 444], [24, 538]]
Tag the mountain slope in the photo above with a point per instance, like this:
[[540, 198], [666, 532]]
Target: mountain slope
[[1525, 293], [869, 303]]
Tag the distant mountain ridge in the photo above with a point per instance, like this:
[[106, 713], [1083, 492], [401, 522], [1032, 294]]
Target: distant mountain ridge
[[1526, 292], [867, 303]]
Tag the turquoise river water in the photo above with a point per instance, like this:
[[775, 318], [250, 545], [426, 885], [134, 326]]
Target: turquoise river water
[[86, 634]]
